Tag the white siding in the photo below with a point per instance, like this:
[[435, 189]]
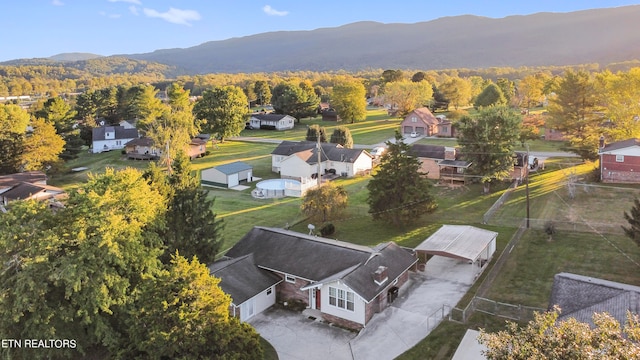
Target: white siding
[[629, 151], [295, 168], [358, 313], [213, 175]]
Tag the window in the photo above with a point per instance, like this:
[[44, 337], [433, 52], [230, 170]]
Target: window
[[341, 298], [269, 291], [619, 158], [414, 119], [444, 129], [290, 279], [118, 142]]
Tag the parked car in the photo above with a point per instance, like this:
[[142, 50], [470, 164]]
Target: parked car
[[414, 134], [248, 126]]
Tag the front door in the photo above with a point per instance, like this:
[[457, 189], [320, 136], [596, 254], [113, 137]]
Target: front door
[[318, 299]]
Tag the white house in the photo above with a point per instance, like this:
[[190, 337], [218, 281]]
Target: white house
[[227, 175], [346, 283], [252, 289], [107, 138], [272, 121], [296, 160]]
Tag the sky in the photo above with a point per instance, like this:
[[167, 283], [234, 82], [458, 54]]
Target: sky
[[43, 28]]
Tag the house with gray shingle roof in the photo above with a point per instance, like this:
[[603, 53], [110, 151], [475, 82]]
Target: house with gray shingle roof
[[251, 288], [227, 175], [299, 160], [346, 283], [440, 162], [272, 121], [107, 138], [579, 297]]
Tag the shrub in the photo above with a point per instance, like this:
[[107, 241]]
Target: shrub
[[327, 229]]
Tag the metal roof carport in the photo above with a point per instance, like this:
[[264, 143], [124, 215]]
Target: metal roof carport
[[461, 242]]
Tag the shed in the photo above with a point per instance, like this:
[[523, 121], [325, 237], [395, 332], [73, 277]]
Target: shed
[[227, 175], [461, 242]]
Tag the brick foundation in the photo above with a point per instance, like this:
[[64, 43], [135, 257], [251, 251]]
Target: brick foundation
[[342, 322]]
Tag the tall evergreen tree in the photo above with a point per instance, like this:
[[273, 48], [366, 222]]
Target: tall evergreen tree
[[313, 131], [191, 225], [633, 218], [342, 135], [398, 192], [576, 112]]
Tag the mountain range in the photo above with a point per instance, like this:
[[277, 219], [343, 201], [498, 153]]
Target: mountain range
[[601, 36]]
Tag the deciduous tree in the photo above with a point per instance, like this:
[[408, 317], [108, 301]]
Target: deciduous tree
[[457, 91], [349, 100], [490, 95], [41, 147], [294, 99], [183, 313], [488, 142], [547, 338], [325, 203], [262, 91], [407, 96], [223, 111], [398, 192]]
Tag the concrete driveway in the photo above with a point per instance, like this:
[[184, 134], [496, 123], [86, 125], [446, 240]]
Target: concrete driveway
[[422, 303]]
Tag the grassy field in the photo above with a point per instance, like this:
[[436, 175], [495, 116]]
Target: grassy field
[[377, 128]]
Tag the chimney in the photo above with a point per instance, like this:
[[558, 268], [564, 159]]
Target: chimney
[[449, 153], [601, 141], [380, 275]]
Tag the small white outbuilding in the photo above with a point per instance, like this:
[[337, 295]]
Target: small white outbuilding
[[227, 175]]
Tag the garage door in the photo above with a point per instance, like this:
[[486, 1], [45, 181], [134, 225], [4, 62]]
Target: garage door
[[233, 180], [420, 130], [408, 129]]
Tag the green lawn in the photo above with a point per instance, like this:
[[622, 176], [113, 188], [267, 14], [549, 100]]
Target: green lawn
[[377, 128]]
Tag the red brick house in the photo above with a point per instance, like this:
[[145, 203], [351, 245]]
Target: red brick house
[[440, 162], [423, 122], [346, 283], [620, 161]]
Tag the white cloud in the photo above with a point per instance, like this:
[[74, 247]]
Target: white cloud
[[175, 16], [133, 10], [137, 2], [110, 16], [273, 12], [57, 3]]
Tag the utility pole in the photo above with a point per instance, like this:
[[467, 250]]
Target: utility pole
[[319, 150], [527, 185]]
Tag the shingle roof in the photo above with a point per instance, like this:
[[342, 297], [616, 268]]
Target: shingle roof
[[143, 141], [12, 180], [317, 259], [234, 167], [25, 190], [268, 117], [291, 147], [120, 133], [620, 145], [580, 297], [242, 279], [428, 151], [425, 115], [307, 151]]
